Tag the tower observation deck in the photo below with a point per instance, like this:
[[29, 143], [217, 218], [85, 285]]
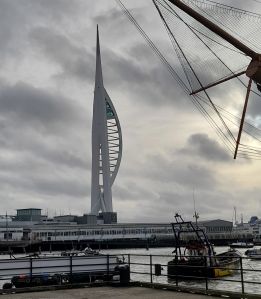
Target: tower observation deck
[[106, 143]]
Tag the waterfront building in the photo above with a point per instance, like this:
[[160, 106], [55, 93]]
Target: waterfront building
[[216, 226], [30, 214], [106, 146], [79, 230]]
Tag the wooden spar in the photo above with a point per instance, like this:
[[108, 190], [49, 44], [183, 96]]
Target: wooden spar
[[216, 29], [218, 82], [243, 117]]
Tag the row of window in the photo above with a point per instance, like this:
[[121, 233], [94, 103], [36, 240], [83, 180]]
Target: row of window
[[219, 229], [102, 232], [11, 231], [28, 212]]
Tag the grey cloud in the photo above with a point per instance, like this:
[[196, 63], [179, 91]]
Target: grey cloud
[[254, 108], [111, 18], [33, 106], [206, 148], [45, 139], [19, 16], [179, 172], [62, 187], [40, 130], [53, 184], [145, 78], [56, 10], [73, 59], [11, 23], [132, 191]]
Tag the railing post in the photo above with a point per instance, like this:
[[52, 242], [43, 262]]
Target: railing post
[[71, 272], [108, 266], [176, 276], [151, 279], [129, 260], [242, 276], [31, 270], [206, 273]]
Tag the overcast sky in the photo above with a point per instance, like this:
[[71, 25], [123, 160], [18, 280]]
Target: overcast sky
[[47, 68]]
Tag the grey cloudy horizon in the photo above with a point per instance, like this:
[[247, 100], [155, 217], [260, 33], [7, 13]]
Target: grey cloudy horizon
[[47, 59]]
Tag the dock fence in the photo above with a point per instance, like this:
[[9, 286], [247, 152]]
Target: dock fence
[[150, 269]]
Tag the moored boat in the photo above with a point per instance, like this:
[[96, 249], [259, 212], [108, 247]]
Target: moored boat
[[198, 260], [254, 254], [39, 270], [241, 245]]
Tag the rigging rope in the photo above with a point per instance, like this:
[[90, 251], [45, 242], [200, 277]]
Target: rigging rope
[[193, 71], [199, 101]]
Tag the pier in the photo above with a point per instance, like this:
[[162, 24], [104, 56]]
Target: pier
[[108, 292]]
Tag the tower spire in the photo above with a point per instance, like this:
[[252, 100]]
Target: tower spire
[[106, 143]]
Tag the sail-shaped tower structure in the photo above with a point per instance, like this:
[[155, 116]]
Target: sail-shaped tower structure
[[106, 144]]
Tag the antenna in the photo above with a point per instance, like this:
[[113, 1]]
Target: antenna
[[235, 211], [6, 223], [195, 215]]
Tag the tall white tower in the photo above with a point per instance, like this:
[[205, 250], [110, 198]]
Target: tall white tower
[[106, 143]]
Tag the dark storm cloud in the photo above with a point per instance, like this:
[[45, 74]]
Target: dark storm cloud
[[208, 149]]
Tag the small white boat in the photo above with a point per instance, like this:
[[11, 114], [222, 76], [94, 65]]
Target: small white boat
[[85, 252], [254, 254], [241, 245]]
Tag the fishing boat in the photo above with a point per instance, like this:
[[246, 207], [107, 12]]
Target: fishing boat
[[195, 257], [254, 254]]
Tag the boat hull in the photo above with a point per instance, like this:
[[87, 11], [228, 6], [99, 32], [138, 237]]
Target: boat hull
[[197, 269], [253, 254], [241, 245]]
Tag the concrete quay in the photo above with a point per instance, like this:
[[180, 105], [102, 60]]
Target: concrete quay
[[107, 292], [121, 292]]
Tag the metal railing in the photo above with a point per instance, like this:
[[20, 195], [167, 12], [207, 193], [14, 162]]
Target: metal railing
[[244, 278], [39, 271]]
